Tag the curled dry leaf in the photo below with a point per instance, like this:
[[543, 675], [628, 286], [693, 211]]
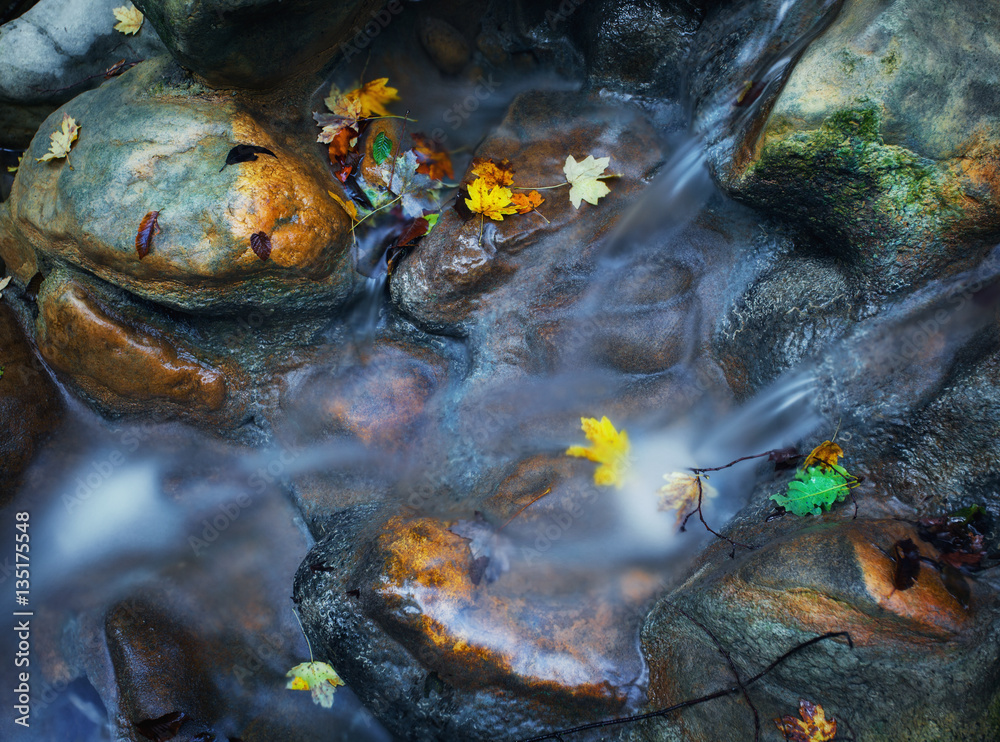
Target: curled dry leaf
[[348, 206], [317, 677], [144, 237], [492, 201], [260, 243], [680, 493], [62, 140], [583, 177], [609, 448], [130, 18], [812, 727]]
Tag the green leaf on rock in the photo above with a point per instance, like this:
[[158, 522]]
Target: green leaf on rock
[[815, 489], [381, 148]]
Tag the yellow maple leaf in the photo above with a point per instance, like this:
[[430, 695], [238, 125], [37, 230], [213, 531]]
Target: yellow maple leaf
[[62, 141], [680, 493], [812, 727], [824, 456], [318, 677], [493, 173], [583, 177], [366, 101], [526, 202], [494, 202], [13, 168], [130, 17], [610, 449]]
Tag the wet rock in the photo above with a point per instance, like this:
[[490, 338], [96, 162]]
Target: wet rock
[[445, 45], [30, 404], [47, 54], [638, 46], [437, 654], [257, 43], [827, 577], [873, 149], [122, 364], [153, 140]]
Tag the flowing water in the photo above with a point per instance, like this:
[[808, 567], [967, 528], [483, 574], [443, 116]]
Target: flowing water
[[117, 507]]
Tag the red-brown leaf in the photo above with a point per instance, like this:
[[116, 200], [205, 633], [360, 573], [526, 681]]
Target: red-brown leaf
[[432, 159], [144, 237], [416, 228], [260, 243]]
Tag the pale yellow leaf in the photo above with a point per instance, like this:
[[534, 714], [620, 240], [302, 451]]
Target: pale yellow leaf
[[62, 140], [130, 17], [583, 177]]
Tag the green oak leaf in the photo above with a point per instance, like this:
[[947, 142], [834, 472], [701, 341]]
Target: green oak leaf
[[815, 489]]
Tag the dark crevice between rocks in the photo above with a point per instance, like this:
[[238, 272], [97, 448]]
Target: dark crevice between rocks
[[15, 9]]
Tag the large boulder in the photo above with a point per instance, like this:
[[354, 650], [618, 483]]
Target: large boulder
[[153, 140], [883, 143], [56, 50], [260, 43]]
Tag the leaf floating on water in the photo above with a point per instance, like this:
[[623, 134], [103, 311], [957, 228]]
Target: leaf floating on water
[[62, 141], [610, 449], [957, 536], [680, 493], [812, 727], [381, 148], [317, 677], [260, 243], [144, 237], [245, 153], [369, 99], [414, 230], [130, 18], [433, 160], [162, 728], [583, 177], [907, 567]]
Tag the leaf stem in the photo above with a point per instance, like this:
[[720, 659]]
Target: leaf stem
[[539, 188]]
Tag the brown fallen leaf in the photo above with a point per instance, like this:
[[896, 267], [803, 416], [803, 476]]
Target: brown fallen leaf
[[432, 159], [812, 727]]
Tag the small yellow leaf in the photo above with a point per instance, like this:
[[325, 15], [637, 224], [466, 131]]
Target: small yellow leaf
[[13, 168], [494, 202], [130, 17], [583, 177], [317, 677], [349, 206], [3, 285], [824, 456], [62, 140], [610, 449], [680, 493]]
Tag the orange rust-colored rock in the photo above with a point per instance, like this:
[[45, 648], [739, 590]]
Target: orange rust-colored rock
[[120, 364], [512, 633]]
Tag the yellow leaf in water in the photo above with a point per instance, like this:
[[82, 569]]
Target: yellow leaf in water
[[610, 449], [130, 17], [62, 140], [680, 493], [583, 177], [368, 100], [812, 727], [317, 677], [494, 202]]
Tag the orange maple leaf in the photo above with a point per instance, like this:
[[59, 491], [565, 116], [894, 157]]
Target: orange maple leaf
[[812, 727], [493, 173], [493, 201], [432, 158], [526, 202], [824, 456]]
